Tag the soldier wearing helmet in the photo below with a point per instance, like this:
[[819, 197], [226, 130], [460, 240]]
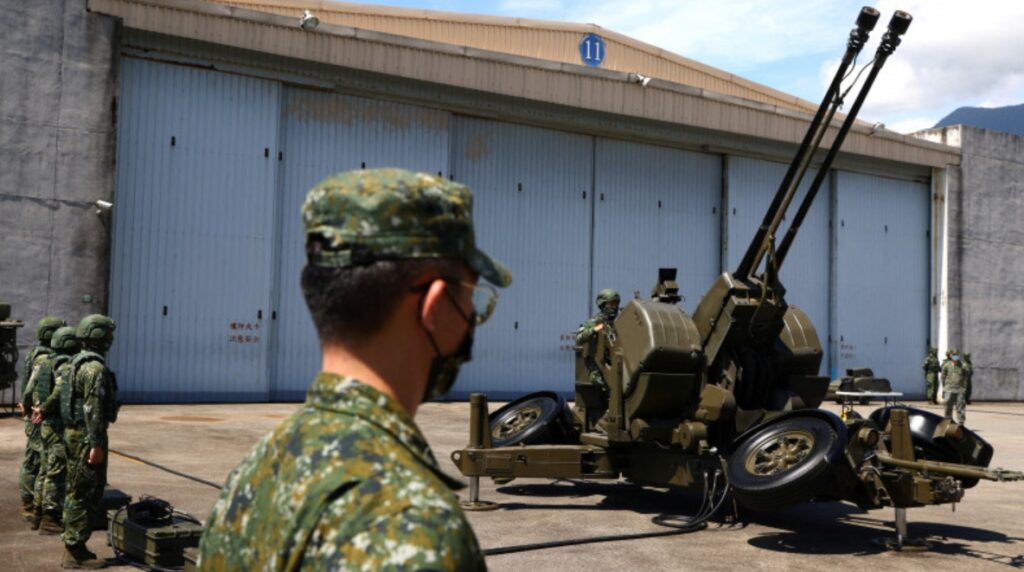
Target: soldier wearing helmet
[[37, 358], [49, 487], [587, 335], [88, 404], [931, 374], [954, 386]]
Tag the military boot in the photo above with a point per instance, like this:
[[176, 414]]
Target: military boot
[[78, 556], [37, 518], [28, 510], [50, 524]]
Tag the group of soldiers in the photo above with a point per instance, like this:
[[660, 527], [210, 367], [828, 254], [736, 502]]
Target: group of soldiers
[[69, 397], [955, 373]]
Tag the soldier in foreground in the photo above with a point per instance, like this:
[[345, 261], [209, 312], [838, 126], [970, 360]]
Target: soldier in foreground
[[88, 404], [607, 310], [931, 375], [348, 481], [33, 446], [49, 490], [954, 386]]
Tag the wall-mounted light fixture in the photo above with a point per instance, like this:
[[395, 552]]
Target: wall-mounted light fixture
[[308, 21]]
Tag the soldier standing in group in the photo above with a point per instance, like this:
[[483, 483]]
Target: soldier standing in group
[[348, 481], [587, 335], [954, 380], [33, 447], [88, 404], [931, 375], [969, 369], [49, 490]]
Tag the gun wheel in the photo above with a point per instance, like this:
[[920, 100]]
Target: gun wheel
[[784, 463], [780, 453], [540, 418], [517, 422]]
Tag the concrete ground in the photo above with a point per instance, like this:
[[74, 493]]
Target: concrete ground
[[985, 532]]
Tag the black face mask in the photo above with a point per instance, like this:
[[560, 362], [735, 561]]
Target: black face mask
[[609, 311], [444, 369]]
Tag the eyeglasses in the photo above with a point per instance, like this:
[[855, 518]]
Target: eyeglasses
[[484, 296]]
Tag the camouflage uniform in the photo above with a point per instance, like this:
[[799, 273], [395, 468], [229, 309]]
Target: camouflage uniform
[[931, 374], [350, 484], [587, 335], [88, 404], [49, 491], [33, 445], [37, 358], [954, 384]]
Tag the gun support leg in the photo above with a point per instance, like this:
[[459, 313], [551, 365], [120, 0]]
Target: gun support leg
[[479, 438], [902, 542]]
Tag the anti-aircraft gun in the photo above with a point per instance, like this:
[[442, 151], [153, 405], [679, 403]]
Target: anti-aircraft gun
[[727, 399]]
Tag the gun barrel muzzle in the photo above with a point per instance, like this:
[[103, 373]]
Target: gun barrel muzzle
[[867, 19], [900, 22]]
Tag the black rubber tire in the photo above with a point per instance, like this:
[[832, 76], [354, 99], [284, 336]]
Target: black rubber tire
[[540, 418], [808, 478]]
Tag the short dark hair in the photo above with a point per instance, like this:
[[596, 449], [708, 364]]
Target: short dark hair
[[351, 303]]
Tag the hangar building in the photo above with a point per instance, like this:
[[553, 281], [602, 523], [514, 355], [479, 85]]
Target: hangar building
[[206, 123]]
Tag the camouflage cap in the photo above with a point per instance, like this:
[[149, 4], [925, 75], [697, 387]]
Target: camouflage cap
[[363, 216]]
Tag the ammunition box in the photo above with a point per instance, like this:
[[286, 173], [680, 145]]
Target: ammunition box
[[113, 499], [161, 544]]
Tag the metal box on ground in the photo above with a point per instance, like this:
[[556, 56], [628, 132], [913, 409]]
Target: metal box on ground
[[155, 543], [113, 499]]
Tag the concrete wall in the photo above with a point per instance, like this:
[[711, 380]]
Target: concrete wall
[[57, 87], [985, 242]]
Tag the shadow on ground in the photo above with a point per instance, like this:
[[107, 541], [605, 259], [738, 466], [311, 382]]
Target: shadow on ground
[[828, 528]]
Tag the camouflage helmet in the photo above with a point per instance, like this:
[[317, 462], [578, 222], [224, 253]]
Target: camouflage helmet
[[47, 326], [66, 340], [607, 295], [359, 217], [95, 327]]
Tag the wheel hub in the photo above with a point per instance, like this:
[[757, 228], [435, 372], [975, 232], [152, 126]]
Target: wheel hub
[[517, 422], [779, 453]]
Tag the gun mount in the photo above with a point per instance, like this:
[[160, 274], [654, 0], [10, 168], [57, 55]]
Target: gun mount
[[732, 392]]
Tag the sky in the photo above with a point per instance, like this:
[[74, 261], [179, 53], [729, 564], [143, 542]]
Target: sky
[[955, 54]]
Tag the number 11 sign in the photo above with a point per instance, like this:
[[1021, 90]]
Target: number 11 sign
[[592, 50]]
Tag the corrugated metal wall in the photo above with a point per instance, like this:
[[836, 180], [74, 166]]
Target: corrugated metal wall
[[882, 277], [323, 134], [655, 207], [806, 274], [193, 230], [532, 211], [207, 249]]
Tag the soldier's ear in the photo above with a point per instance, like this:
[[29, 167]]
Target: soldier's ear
[[431, 305]]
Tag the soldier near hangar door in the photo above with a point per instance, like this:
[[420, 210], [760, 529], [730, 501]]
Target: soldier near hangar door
[[607, 302], [36, 358], [88, 405], [954, 386], [370, 493], [931, 375]]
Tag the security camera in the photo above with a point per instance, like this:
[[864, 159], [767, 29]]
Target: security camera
[[878, 126], [102, 205], [639, 78], [308, 21]]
